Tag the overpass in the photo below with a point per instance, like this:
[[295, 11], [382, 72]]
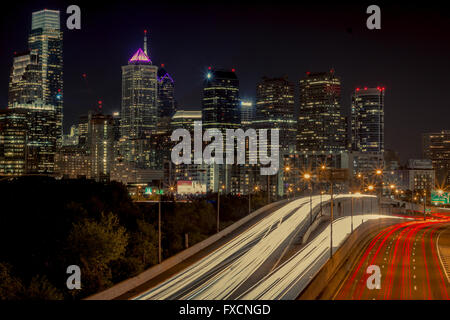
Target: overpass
[[271, 254]]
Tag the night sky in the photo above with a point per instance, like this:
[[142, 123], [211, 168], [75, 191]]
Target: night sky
[[409, 55]]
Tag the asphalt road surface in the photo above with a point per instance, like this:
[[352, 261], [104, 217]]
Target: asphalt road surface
[[413, 258]]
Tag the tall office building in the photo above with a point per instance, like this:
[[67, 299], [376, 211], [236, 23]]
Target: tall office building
[[220, 110], [247, 113], [320, 123], [13, 141], [220, 103], [367, 120], [46, 39], [166, 94], [139, 112], [275, 109], [101, 143], [25, 84], [184, 119], [436, 147], [42, 136]]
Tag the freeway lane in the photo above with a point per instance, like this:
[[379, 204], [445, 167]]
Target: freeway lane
[[202, 274], [287, 281], [226, 272], [409, 260]]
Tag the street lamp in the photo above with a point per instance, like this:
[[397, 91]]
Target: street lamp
[[218, 206], [307, 177], [424, 204], [250, 198]]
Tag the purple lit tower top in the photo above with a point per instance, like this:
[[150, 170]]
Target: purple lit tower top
[[140, 58]]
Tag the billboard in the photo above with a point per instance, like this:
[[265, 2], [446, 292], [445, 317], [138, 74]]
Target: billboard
[[439, 197], [190, 187]]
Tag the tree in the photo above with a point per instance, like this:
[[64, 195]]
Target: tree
[[40, 288], [11, 288], [94, 245]]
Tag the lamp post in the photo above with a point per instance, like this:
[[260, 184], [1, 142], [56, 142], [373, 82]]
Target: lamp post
[[370, 188], [159, 225], [321, 193], [331, 222], [424, 204], [379, 173], [218, 207], [351, 217], [250, 199], [307, 177]]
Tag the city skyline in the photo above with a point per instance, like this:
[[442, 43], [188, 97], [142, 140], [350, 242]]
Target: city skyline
[[406, 90], [149, 154]]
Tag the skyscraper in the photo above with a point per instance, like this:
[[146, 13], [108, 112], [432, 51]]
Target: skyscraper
[[46, 39], [367, 120], [436, 147], [101, 142], [220, 104], [41, 120], [247, 113], [166, 94], [25, 84], [275, 109], [139, 112], [13, 141], [320, 123], [220, 110]]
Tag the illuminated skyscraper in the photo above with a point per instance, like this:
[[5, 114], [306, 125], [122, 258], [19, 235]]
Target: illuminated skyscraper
[[275, 109], [320, 123], [220, 104], [25, 85], [46, 39], [13, 141], [367, 120], [220, 110], [139, 112], [101, 142], [41, 122], [436, 147], [247, 113], [166, 94]]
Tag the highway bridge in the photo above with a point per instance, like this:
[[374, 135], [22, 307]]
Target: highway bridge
[[275, 257]]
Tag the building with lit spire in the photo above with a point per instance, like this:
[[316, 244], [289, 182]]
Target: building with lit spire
[[139, 114]]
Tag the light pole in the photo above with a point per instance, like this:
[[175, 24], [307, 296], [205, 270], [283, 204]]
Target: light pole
[[331, 223], [321, 193], [370, 188], [379, 173], [352, 216], [249, 199], [307, 177], [424, 204], [159, 225], [218, 207]]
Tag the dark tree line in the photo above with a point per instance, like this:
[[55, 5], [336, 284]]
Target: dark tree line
[[47, 225]]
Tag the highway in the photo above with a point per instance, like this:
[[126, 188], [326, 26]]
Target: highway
[[413, 258], [227, 273], [293, 276]]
